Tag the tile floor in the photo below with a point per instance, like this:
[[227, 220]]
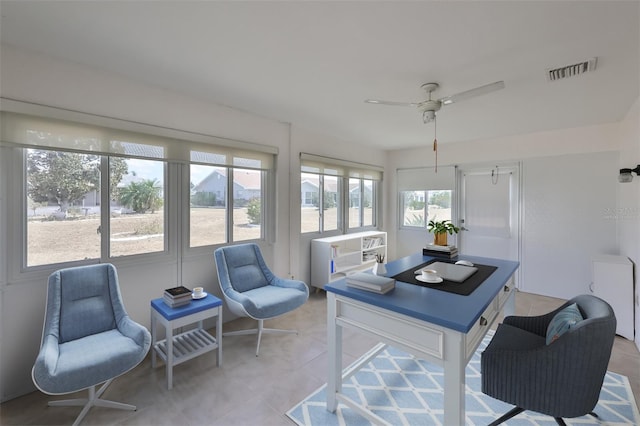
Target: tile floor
[[247, 390]]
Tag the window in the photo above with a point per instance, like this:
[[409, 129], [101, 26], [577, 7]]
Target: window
[[247, 204], [226, 203], [425, 195], [419, 207], [136, 213], [62, 207], [333, 192], [207, 213], [317, 213], [361, 203]]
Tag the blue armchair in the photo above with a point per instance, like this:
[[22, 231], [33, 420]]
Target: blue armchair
[[559, 379], [251, 290], [88, 338]]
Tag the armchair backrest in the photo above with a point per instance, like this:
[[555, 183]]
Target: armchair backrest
[[242, 268], [82, 301]]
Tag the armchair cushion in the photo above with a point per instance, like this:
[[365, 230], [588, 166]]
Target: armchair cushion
[[84, 362], [562, 322]]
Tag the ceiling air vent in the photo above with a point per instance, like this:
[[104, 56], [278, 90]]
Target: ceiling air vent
[[572, 70]]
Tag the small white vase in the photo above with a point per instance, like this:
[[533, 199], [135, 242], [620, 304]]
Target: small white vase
[[379, 269]]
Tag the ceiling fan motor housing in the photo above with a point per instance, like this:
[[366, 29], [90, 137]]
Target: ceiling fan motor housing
[[430, 105]]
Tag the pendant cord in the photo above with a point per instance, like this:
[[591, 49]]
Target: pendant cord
[[435, 140]]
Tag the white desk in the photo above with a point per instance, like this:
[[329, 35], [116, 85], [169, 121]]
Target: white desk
[[437, 326]]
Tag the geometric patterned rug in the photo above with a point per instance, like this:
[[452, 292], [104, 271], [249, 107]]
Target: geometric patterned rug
[[404, 390]]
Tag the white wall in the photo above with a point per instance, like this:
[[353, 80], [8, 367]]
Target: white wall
[[627, 214]]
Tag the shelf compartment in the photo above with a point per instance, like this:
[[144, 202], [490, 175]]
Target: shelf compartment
[[187, 345]]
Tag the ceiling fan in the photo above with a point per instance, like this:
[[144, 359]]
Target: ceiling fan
[[430, 106]]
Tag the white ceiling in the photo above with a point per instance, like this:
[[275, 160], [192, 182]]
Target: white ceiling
[[314, 63]]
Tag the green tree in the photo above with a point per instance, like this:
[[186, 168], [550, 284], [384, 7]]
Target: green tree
[[441, 198], [253, 211], [142, 196], [329, 200], [64, 177]]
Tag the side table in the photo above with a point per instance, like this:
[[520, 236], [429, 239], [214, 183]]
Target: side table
[[182, 347]]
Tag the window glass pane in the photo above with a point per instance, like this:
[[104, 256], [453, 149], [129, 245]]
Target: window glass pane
[[331, 203], [207, 224], [439, 205], [62, 207], [309, 196], [247, 204], [413, 208], [137, 206], [354, 203], [367, 203]]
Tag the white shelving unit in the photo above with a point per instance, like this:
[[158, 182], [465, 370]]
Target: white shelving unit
[[613, 282], [333, 258]]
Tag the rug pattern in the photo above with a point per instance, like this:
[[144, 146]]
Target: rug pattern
[[404, 390]]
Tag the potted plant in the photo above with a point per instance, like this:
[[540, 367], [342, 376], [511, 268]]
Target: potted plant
[[440, 229]]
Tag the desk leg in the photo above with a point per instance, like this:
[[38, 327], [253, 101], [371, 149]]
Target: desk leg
[[153, 339], [334, 343], [169, 356], [219, 336], [454, 380], [510, 305]]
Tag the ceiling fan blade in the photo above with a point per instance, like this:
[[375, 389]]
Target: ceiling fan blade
[[487, 88], [392, 103]]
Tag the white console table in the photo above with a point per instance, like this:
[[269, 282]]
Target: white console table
[[440, 327]]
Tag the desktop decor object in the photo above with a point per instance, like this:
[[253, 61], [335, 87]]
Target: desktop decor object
[[177, 296], [378, 267], [440, 229], [368, 282]]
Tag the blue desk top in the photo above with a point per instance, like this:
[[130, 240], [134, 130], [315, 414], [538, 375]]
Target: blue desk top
[[446, 309], [208, 302]]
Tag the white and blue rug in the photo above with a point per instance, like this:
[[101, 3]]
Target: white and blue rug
[[404, 390]]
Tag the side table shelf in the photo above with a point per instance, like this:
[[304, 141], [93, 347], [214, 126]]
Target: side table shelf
[[187, 345]]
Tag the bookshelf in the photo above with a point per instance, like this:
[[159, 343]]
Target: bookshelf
[[333, 258]]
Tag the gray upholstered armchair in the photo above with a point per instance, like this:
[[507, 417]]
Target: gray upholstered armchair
[[88, 338], [562, 378], [250, 289]]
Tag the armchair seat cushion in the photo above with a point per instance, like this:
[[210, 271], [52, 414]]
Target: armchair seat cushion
[[93, 359], [271, 301]]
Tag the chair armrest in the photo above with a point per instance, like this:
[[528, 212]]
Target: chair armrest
[[46, 363], [287, 283], [134, 331], [534, 324]]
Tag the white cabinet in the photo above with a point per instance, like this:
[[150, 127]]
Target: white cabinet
[[613, 282], [333, 257]]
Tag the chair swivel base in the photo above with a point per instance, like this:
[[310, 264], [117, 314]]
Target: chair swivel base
[[93, 400], [260, 331], [517, 410]]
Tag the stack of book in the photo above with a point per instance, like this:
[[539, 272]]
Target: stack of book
[[370, 282], [440, 251], [177, 296]]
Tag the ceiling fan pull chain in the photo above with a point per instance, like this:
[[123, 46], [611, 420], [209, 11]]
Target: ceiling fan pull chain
[[435, 141]]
